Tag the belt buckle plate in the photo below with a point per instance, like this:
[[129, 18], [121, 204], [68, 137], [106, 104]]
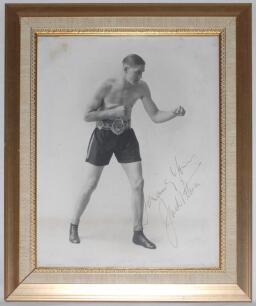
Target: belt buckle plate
[[118, 126], [100, 125]]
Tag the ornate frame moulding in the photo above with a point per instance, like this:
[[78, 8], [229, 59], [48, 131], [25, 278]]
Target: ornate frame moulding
[[231, 279]]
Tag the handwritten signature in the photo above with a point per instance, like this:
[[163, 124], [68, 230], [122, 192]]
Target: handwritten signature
[[180, 186]]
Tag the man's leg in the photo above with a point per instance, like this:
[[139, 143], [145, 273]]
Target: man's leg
[[134, 173], [93, 174]]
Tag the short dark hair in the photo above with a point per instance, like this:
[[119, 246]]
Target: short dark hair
[[133, 60]]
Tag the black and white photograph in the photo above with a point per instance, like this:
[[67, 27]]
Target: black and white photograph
[[128, 151]]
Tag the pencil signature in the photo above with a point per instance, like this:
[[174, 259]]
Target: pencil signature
[[179, 186]]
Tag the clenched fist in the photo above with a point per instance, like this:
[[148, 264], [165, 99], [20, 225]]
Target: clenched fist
[[121, 111], [179, 111]]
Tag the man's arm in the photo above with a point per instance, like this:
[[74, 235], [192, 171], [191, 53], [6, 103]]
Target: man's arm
[[93, 113], [152, 110]]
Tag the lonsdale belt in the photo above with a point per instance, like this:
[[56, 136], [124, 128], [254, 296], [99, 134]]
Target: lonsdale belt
[[117, 126]]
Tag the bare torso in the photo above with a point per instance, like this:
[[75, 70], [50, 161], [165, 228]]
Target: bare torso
[[116, 98], [118, 94]]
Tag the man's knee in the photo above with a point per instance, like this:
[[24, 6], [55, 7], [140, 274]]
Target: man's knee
[[138, 184], [91, 184]]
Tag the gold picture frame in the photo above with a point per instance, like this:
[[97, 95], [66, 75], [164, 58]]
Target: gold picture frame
[[231, 280]]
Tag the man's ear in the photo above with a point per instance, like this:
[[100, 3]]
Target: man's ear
[[125, 68]]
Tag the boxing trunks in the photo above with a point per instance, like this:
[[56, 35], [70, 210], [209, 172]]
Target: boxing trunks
[[113, 136]]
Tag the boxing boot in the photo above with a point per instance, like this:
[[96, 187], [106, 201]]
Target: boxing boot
[[73, 233], [140, 239]]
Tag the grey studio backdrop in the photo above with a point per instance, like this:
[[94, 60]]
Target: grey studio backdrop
[[81, 148]]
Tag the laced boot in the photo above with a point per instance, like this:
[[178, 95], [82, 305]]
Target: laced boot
[[73, 233], [140, 239]]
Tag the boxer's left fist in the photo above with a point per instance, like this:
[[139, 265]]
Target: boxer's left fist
[[179, 111]]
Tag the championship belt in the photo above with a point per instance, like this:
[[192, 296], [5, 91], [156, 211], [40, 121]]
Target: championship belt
[[117, 126]]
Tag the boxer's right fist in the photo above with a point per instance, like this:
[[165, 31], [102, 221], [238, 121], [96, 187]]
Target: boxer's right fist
[[121, 111]]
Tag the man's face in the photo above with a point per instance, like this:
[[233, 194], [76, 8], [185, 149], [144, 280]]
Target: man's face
[[133, 74]]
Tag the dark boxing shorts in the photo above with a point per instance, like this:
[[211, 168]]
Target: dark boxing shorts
[[103, 143]]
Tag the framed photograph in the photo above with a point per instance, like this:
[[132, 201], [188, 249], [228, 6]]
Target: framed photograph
[[128, 154]]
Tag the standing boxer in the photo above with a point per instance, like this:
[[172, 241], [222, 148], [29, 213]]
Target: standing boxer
[[111, 110]]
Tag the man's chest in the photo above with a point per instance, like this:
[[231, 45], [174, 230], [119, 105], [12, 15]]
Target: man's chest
[[122, 96]]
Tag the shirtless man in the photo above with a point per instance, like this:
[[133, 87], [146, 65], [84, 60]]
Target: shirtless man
[[111, 110]]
